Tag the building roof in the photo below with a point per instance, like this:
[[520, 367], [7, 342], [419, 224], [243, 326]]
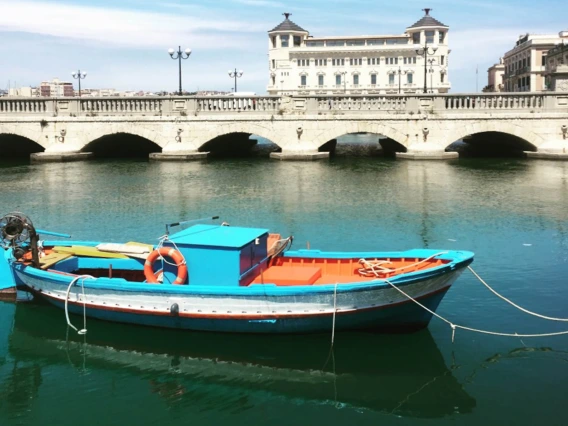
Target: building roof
[[427, 21], [287, 25]]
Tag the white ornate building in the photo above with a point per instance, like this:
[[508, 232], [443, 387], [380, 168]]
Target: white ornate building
[[381, 64]]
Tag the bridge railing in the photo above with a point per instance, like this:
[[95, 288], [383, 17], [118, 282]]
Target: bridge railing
[[238, 104], [320, 105], [120, 105], [487, 102], [362, 103], [26, 106]]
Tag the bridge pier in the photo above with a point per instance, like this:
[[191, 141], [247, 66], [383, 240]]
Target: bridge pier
[[178, 156], [60, 157], [412, 154], [555, 150], [299, 155]]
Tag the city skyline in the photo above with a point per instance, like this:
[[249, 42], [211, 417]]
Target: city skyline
[[123, 44]]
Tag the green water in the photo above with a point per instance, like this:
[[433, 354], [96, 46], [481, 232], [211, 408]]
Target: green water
[[512, 213]]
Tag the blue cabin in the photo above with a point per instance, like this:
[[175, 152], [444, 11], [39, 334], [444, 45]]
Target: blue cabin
[[219, 255]]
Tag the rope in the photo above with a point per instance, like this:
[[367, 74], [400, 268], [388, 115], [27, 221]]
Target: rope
[[370, 266], [334, 311], [161, 244], [477, 330], [71, 284], [512, 303]]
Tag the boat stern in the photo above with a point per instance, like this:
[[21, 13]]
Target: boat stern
[[8, 282]]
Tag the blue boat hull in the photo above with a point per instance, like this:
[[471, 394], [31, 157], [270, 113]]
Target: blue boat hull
[[402, 317]]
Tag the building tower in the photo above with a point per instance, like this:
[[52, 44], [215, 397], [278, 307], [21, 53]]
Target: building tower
[[431, 33], [282, 38]]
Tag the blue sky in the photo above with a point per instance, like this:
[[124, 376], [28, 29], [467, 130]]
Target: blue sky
[[123, 44]]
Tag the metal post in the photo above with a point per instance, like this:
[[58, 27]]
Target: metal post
[[179, 63], [236, 74], [78, 75], [180, 55], [431, 71], [425, 56], [424, 52]]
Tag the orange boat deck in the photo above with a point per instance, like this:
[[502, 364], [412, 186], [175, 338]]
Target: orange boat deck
[[310, 271]]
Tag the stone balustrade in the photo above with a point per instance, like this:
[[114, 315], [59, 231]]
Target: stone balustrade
[[238, 104], [19, 106], [493, 102], [120, 105], [167, 106]]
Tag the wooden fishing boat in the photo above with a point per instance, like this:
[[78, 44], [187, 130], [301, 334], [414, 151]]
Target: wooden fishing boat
[[231, 279]]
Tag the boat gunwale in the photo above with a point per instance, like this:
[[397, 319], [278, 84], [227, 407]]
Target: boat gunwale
[[458, 260]]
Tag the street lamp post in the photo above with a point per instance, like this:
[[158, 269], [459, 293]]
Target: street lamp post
[[179, 55], [78, 75], [236, 74], [431, 71], [400, 73], [425, 51]]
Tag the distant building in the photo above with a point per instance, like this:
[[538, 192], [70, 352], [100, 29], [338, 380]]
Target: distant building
[[56, 88], [557, 67], [214, 93], [495, 78], [302, 64], [525, 63], [26, 92]]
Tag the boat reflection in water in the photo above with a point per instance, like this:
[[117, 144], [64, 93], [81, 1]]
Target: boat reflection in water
[[400, 374]]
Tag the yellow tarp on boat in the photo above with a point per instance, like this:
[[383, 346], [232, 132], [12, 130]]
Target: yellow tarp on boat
[[52, 258], [87, 251]]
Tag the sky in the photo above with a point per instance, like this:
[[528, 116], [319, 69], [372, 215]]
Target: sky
[[122, 44]]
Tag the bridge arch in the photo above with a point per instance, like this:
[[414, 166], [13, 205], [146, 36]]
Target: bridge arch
[[16, 145], [527, 139], [121, 144], [125, 128], [33, 131], [239, 129], [349, 127]]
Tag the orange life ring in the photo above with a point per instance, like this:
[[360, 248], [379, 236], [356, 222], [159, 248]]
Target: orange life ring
[[175, 255]]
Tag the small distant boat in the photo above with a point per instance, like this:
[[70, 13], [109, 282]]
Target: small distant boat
[[230, 279]]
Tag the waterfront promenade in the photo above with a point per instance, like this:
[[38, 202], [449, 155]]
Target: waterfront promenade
[[303, 127]]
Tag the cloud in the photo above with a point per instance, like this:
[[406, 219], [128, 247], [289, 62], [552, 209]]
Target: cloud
[[121, 27], [262, 3]]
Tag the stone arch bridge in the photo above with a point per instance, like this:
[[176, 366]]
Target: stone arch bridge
[[422, 126]]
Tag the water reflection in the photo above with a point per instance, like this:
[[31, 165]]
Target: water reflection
[[401, 375]]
